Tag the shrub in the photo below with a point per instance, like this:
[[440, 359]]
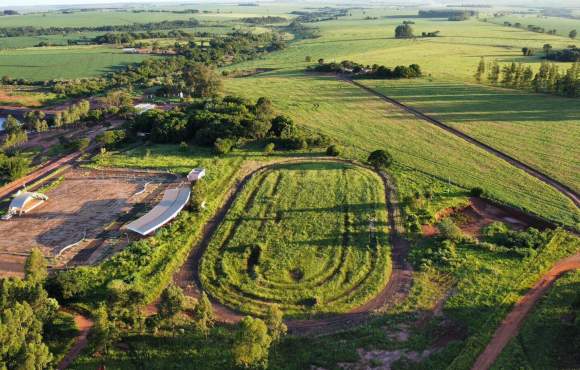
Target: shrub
[[449, 230], [269, 148], [333, 151], [476, 192], [223, 146], [380, 159]]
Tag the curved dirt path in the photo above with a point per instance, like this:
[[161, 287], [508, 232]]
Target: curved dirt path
[[395, 291], [84, 324], [563, 189], [511, 325]]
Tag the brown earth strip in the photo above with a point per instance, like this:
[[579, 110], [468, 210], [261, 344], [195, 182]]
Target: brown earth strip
[[84, 325], [511, 325]]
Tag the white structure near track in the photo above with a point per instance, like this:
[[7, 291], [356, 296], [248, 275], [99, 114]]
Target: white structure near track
[[25, 202], [173, 202], [196, 174], [144, 107]]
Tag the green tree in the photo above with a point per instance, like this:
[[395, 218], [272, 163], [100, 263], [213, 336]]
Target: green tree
[[252, 343], [380, 159], [573, 34], [171, 302], [275, 322], [104, 331], [404, 31], [547, 49], [201, 81], [333, 151], [35, 270], [480, 70], [494, 73], [203, 314], [269, 148]]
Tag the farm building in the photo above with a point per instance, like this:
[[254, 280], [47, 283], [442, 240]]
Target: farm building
[[130, 51], [144, 107], [174, 200], [25, 202], [196, 174]]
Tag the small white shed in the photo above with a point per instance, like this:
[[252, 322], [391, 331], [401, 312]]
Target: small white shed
[[196, 174], [25, 202]]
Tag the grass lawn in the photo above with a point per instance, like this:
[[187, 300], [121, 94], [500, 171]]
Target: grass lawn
[[310, 237], [362, 123], [63, 62], [540, 130]]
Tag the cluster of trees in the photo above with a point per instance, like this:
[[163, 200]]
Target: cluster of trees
[[320, 15], [264, 20], [127, 37], [135, 27], [15, 133], [571, 54], [223, 123], [73, 114], [548, 79], [499, 234], [301, 31], [375, 71], [450, 14], [404, 31], [533, 28], [13, 167], [27, 318], [9, 12]]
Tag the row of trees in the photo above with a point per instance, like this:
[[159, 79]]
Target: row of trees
[[127, 37], [548, 79], [533, 28], [375, 71]]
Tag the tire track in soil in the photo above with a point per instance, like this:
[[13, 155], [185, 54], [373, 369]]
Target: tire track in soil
[[558, 186], [395, 291], [84, 324], [512, 323]]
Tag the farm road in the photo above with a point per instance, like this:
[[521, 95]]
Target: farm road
[[395, 291], [563, 189], [511, 325], [84, 324]]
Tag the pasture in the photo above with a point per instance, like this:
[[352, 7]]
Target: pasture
[[310, 237], [360, 122], [540, 130], [63, 62]]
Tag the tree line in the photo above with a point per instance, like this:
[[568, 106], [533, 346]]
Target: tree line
[[135, 27], [450, 14], [375, 71], [548, 79], [127, 37]]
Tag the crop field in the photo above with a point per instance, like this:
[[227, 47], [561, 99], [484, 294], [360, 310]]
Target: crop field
[[452, 56], [361, 123], [24, 96], [546, 339], [310, 237], [540, 130], [63, 62]]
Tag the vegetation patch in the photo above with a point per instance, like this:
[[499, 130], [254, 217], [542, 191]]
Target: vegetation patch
[[328, 252]]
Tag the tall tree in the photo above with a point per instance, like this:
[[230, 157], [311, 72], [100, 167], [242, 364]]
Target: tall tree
[[203, 314], [404, 31], [252, 343], [201, 81], [35, 267], [494, 72], [547, 49], [275, 323], [171, 302], [573, 34], [480, 70]]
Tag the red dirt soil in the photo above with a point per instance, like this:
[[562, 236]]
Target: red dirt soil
[[84, 325], [511, 325]]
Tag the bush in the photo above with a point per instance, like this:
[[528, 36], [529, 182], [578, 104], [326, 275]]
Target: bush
[[223, 146], [449, 230], [333, 151], [476, 192], [443, 254], [269, 148], [380, 159], [112, 138]]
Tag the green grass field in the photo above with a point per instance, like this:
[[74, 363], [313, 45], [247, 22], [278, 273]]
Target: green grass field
[[540, 130], [362, 123], [310, 237], [63, 62]]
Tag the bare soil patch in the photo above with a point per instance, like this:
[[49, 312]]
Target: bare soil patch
[[87, 208]]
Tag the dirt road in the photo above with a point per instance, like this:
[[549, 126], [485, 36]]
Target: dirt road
[[396, 289], [511, 325], [564, 189], [84, 324]]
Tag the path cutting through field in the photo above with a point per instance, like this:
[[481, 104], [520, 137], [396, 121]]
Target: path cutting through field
[[84, 324], [395, 291], [563, 189], [511, 325]]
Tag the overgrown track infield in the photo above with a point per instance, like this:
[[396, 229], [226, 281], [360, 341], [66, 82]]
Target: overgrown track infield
[[565, 190], [399, 280], [310, 237]]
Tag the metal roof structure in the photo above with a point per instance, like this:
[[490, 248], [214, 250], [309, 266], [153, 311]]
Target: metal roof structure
[[173, 202], [196, 174], [24, 202]]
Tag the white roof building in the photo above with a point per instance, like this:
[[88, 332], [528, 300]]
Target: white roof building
[[144, 107], [173, 202], [196, 174], [25, 202]]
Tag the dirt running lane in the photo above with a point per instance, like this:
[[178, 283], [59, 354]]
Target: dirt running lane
[[564, 189], [395, 291], [84, 325], [511, 325]]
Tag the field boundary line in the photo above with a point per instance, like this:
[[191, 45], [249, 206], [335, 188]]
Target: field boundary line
[[557, 185]]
